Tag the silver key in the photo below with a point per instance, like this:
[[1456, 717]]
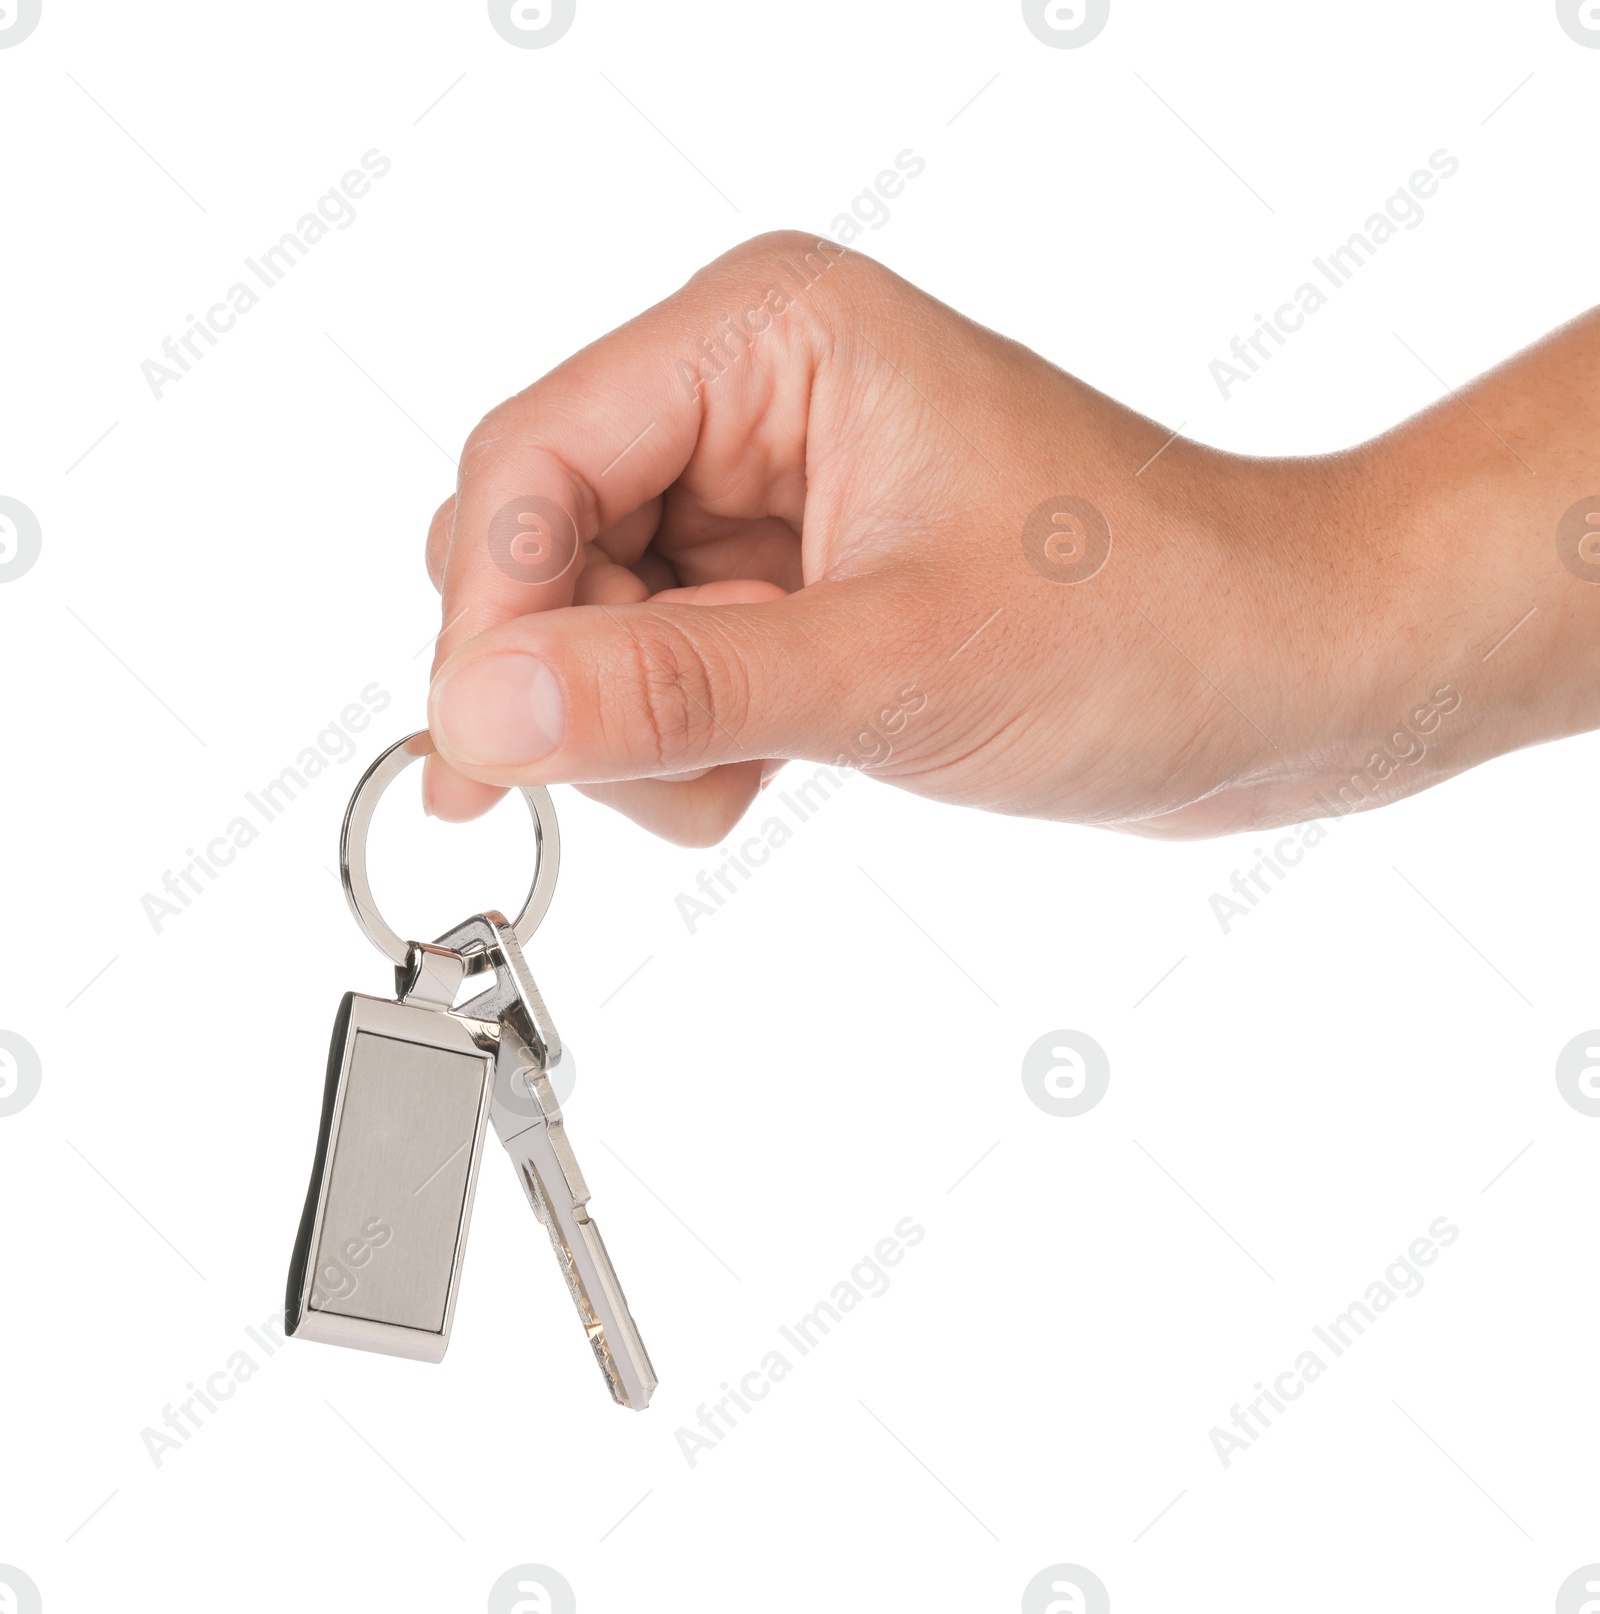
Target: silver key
[[527, 1119]]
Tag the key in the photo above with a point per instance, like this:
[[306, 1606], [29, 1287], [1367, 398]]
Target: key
[[377, 1263], [527, 1118]]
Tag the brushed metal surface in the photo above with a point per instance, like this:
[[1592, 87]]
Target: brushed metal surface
[[377, 1264], [398, 1183]]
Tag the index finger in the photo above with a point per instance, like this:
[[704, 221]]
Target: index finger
[[695, 378]]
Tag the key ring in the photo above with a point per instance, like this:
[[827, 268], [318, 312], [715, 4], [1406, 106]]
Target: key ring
[[353, 848]]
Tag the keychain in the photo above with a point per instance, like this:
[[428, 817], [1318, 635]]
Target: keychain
[[412, 1086]]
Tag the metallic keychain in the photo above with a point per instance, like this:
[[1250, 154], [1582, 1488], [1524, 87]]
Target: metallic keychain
[[411, 1088]]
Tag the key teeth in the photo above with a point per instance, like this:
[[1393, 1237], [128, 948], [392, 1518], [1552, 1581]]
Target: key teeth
[[593, 1327]]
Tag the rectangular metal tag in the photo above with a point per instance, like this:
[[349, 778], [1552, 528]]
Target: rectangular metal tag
[[378, 1258]]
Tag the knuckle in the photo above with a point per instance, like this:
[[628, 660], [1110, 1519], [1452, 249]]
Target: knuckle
[[685, 690], [486, 441], [776, 244], [800, 262], [514, 452], [439, 531]]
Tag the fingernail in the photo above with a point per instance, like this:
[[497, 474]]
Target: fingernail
[[500, 711]]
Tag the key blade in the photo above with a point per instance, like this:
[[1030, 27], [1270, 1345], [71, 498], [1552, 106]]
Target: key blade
[[550, 1177], [527, 1119]]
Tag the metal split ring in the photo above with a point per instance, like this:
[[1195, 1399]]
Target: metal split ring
[[353, 849]]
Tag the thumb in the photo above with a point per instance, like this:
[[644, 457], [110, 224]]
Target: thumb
[[593, 693]]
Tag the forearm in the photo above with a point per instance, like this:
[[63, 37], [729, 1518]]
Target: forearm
[[1375, 621], [1495, 580]]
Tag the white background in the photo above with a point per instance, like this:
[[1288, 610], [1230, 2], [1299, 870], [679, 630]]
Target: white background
[[224, 570]]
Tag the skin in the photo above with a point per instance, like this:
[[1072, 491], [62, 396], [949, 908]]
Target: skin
[[835, 516]]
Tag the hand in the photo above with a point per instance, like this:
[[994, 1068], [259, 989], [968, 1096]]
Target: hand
[[801, 509]]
